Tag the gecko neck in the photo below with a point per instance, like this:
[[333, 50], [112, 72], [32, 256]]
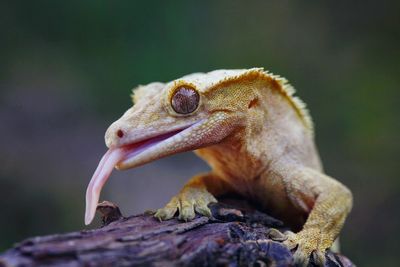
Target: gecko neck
[[265, 138]]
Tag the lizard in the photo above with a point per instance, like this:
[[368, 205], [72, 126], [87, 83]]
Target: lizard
[[258, 139]]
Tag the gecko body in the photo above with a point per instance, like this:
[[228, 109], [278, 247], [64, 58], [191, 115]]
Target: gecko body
[[258, 139]]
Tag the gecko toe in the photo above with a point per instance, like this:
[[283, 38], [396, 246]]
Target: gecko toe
[[291, 241], [301, 258], [276, 235], [186, 211], [319, 257], [165, 214], [203, 210], [168, 211]]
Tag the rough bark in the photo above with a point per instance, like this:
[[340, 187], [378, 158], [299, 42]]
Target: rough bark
[[238, 235]]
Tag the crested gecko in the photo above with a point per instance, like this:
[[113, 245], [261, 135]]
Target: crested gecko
[[258, 139]]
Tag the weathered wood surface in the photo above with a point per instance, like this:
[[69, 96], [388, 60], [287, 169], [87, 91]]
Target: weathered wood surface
[[237, 236]]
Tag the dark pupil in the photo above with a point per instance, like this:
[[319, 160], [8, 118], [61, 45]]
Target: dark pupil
[[185, 100]]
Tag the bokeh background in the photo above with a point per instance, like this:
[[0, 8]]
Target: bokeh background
[[67, 69]]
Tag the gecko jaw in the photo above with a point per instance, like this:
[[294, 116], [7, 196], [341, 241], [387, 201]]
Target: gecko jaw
[[124, 157]]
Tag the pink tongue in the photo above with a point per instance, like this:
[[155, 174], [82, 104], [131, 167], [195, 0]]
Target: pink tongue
[[100, 176]]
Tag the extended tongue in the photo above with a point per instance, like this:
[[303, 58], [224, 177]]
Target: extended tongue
[[100, 176]]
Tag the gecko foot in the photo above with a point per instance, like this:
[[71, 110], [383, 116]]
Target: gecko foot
[[187, 202], [308, 243]]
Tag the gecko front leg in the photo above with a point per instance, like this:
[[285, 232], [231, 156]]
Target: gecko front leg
[[194, 197], [328, 202]]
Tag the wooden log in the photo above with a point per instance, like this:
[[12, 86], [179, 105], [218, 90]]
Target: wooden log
[[237, 235]]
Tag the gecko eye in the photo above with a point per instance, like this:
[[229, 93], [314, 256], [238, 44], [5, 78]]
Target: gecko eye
[[185, 100]]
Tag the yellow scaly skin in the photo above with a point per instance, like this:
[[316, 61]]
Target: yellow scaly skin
[[258, 140]]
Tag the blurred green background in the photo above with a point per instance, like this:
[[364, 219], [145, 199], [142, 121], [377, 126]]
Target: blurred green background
[[67, 68]]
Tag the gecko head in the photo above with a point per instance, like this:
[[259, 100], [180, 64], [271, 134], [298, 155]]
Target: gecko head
[[165, 119]]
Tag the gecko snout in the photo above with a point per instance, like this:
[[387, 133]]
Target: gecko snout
[[115, 135]]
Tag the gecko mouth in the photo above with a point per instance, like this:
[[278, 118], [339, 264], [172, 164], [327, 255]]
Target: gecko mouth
[[118, 157]]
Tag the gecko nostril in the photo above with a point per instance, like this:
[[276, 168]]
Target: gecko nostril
[[120, 133]]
